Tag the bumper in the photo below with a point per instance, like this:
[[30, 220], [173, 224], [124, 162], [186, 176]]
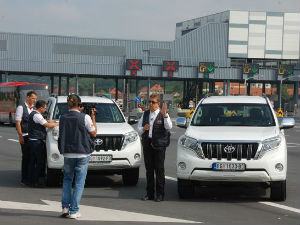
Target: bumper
[[122, 159], [261, 170]]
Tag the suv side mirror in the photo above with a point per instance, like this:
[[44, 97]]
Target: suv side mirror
[[181, 122], [287, 123], [132, 120]]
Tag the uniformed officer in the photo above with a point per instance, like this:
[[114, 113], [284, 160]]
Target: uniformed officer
[[154, 127], [75, 132], [22, 114], [36, 141]]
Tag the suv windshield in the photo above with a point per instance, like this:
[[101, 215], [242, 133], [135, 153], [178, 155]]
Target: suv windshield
[[256, 115], [106, 112]]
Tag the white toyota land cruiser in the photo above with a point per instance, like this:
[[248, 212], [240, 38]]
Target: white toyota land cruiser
[[233, 138], [117, 145]]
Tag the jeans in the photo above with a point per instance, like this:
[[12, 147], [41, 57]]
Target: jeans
[[74, 167]]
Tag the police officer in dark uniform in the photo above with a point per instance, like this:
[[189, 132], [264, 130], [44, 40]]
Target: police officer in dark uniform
[[154, 127], [21, 117], [36, 141]]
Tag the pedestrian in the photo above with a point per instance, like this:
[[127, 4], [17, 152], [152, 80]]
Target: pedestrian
[[21, 117], [36, 140], [75, 143], [154, 127]]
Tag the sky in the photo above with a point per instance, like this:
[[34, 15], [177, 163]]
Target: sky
[[120, 19]]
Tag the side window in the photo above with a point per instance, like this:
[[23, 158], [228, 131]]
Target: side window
[[49, 104]]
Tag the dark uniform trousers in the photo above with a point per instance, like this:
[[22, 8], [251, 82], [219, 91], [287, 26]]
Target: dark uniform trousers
[[154, 162], [25, 160]]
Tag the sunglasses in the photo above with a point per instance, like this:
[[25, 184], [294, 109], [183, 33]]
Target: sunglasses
[[152, 102]]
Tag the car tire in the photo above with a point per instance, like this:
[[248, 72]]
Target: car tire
[[52, 177], [130, 176], [186, 188], [278, 190]]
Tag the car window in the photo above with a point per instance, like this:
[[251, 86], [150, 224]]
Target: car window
[[105, 112], [233, 115]]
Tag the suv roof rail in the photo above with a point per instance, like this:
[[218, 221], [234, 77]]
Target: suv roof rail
[[210, 94]]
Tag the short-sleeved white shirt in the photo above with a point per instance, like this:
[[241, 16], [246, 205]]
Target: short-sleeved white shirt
[[90, 127], [19, 114]]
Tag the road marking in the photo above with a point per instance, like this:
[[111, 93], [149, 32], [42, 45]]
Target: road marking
[[266, 203], [14, 140], [93, 213], [171, 178], [293, 143], [281, 206]]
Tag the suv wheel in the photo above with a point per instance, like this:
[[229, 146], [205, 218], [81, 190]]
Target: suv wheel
[[52, 176], [278, 190], [186, 188], [130, 176]]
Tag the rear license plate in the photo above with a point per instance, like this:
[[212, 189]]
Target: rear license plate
[[100, 158], [229, 166]]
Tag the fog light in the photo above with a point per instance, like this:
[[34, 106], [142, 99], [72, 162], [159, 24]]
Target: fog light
[[55, 157], [137, 156], [279, 167], [182, 165]]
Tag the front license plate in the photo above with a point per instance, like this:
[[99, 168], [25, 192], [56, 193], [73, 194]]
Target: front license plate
[[100, 158], [229, 166]]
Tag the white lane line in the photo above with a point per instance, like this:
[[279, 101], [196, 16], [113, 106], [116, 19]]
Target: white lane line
[[266, 203], [171, 178], [14, 140], [281, 206]]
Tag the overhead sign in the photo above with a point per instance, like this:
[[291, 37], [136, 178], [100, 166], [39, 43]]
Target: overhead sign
[[206, 67], [133, 64], [249, 68], [170, 66], [286, 70]]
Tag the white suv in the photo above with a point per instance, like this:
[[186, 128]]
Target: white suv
[[117, 145], [233, 138]]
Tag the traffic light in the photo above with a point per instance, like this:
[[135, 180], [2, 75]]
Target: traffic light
[[289, 70], [281, 69], [246, 68]]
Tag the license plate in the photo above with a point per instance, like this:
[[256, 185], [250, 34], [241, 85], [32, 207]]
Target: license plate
[[100, 158], [229, 166]]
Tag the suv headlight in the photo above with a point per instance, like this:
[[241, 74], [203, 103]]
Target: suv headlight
[[55, 132], [269, 144], [191, 144], [129, 138]]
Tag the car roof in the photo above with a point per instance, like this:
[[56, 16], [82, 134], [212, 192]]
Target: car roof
[[234, 99], [87, 99]]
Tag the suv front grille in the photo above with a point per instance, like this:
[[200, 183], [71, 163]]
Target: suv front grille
[[229, 151], [108, 142]]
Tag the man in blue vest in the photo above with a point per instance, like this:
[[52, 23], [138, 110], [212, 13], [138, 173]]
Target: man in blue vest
[[154, 127], [75, 132], [36, 140], [22, 114]]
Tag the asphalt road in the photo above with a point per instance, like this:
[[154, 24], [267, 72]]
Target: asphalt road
[[106, 201]]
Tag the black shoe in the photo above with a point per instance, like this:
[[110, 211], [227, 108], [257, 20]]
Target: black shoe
[[159, 198], [146, 198]]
